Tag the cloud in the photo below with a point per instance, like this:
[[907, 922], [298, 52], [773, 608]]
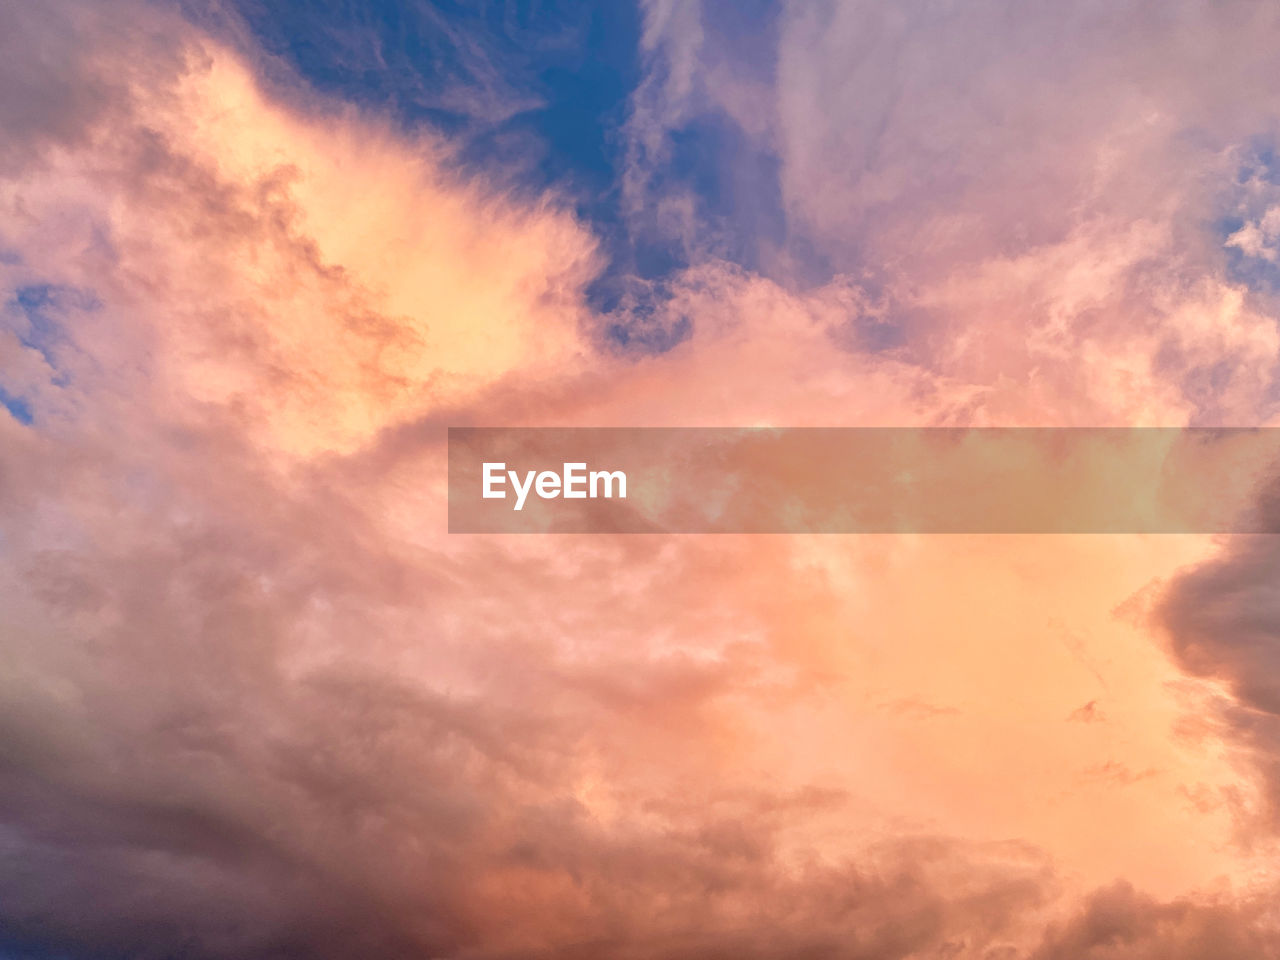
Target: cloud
[[1120, 924], [1221, 622], [258, 703], [297, 269], [1029, 198]]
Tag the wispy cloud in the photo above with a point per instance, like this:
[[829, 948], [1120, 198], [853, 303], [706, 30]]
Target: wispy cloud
[[257, 703]]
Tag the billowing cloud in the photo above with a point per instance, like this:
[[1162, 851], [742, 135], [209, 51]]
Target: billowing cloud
[[1034, 202], [1220, 619], [1117, 922], [256, 701]]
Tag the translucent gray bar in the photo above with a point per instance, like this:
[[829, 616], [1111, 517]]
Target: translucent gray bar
[[864, 480]]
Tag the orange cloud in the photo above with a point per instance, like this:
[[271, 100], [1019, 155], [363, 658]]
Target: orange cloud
[[260, 701]]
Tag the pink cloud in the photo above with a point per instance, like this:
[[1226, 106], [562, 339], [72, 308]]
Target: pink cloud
[[259, 703]]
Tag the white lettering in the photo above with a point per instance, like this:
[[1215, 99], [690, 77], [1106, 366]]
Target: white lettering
[[575, 473], [608, 477], [492, 475], [521, 492], [572, 482], [548, 484]]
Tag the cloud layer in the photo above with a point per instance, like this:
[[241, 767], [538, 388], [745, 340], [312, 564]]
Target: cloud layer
[[257, 703]]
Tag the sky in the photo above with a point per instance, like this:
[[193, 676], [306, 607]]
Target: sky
[[256, 258]]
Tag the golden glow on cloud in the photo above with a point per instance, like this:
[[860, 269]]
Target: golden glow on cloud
[[507, 746]]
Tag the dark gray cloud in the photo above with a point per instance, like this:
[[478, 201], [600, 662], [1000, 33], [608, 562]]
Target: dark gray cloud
[[1119, 923], [1223, 623]]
